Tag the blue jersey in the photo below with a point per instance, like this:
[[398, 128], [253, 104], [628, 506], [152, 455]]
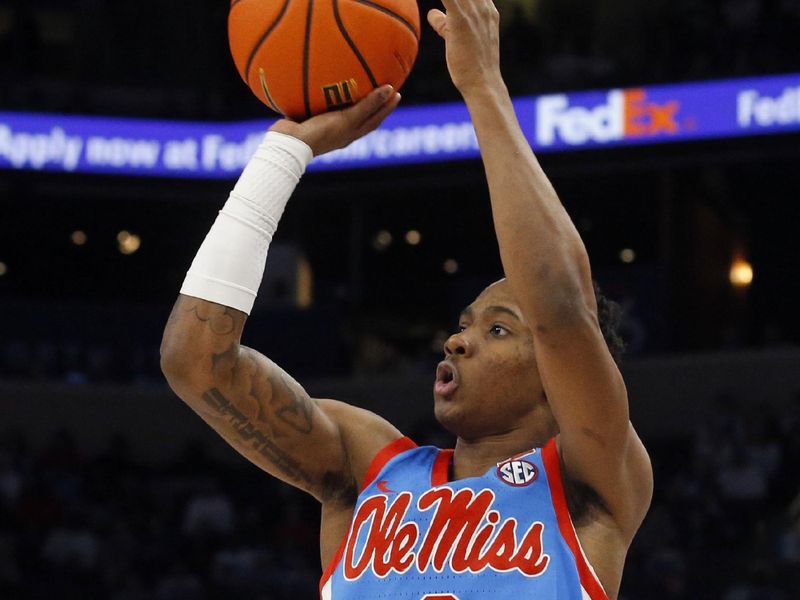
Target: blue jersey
[[417, 536]]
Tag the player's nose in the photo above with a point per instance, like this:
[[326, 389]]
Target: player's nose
[[458, 343]]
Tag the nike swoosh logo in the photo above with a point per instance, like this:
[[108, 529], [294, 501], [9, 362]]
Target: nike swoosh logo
[[382, 487]]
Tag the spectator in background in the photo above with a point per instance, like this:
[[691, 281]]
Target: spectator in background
[[758, 582], [716, 437], [180, 584], [789, 540], [130, 588], [72, 546], [666, 570], [240, 567], [10, 482], [210, 511], [10, 575], [743, 482]]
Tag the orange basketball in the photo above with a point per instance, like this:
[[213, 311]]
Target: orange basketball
[[305, 57]]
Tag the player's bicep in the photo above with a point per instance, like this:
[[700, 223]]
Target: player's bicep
[[271, 420]]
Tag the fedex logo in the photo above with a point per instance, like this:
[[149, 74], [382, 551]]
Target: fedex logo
[[626, 114], [759, 110]]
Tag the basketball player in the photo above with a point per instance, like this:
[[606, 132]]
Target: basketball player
[[548, 481]]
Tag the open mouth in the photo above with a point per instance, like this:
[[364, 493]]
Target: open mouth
[[446, 379]]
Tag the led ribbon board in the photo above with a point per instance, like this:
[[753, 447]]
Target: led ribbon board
[[416, 134]]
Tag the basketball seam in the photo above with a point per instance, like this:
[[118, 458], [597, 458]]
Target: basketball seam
[[392, 14], [352, 44], [306, 58], [261, 41], [267, 95]]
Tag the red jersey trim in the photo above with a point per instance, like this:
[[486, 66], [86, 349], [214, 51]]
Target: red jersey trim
[[383, 456], [552, 466], [440, 473]]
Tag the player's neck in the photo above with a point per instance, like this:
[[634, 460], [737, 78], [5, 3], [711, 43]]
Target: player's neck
[[472, 458]]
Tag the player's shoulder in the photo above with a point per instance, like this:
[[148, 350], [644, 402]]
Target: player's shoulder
[[364, 434], [348, 416]]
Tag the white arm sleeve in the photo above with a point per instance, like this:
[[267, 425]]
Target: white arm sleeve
[[229, 265]]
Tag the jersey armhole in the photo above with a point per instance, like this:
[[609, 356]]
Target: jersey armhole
[[383, 456], [552, 465]]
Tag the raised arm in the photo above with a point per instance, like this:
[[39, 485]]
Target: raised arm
[[320, 446], [547, 267]]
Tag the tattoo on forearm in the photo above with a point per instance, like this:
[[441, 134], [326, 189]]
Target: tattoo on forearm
[[275, 392], [250, 434], [290, 407], [222, 320], [229, 359], [273, 408]]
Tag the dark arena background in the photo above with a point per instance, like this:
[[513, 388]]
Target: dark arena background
[[110, 487]]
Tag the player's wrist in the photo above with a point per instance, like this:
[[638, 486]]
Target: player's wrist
[[489, 88], [290, 142], [296, 131]]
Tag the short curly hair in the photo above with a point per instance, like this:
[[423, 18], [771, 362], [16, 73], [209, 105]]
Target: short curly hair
[[610, 314]]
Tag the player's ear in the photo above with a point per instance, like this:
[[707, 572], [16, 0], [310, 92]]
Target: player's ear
[[437, 20]]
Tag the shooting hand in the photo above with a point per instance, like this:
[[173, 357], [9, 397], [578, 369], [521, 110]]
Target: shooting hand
[[333, 130]]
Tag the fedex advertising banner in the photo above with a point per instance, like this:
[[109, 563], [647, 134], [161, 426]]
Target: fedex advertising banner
[[668, 113], [417, 134]]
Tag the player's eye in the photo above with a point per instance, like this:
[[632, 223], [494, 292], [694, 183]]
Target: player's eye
[[461, 327], [498, 331]]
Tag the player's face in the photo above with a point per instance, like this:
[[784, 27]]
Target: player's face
[[489, 382]]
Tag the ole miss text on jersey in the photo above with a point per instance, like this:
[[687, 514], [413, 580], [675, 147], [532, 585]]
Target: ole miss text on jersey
[[417, 536]]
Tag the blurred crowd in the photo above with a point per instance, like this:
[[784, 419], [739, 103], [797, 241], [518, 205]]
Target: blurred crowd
[[724, 524], [171, 58], [725, 518], [106, 526], [77, 361]]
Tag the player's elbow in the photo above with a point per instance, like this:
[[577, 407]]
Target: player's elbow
[[182, 364], [172, 366]]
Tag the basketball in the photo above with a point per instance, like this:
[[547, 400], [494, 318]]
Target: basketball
[[306, 57]]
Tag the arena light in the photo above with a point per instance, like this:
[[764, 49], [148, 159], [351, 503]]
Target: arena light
[[450, 266], [413, 237], [128, 242], [78, 237], [627, 255], [741, 273], [382, 240]]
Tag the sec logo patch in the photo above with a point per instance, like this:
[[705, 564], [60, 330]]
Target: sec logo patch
[[518, 473]]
